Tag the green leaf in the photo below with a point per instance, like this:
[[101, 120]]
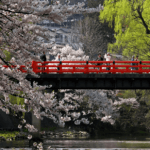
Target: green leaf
[[8, 55], [131, 36]]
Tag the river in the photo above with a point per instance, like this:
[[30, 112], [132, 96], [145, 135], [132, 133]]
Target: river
[[103, 143]]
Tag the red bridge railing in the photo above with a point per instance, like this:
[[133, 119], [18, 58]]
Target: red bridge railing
[[87, 67]]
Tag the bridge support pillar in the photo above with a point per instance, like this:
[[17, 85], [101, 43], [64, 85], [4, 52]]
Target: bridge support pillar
[[37, 124], [36, 137]]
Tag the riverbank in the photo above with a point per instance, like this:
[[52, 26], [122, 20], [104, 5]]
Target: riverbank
[[80, 139], [60, 133]]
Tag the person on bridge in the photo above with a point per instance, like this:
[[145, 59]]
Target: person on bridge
[[58, 59], [108, 58], [136, 59], [132, 59], [99, 59], [43, 58]]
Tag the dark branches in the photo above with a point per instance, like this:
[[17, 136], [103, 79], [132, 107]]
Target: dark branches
[[143, 21]]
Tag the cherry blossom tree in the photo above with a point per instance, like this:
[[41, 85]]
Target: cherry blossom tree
[[19, 35], [68, 53], [97, 103]]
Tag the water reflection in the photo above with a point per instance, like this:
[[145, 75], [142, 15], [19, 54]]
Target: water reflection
[[96, 144], [16, 149], [98, 149], [120, 143]]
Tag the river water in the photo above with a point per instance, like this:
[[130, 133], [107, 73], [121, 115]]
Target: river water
[[104, 143]]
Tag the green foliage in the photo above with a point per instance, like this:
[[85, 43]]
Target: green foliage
[[133, 145], [69, 132], [131, 33], [85, 102], [126, 107], [17, 100], [25, 130], [8, 55], [9, 134], [86, 98], [148, 100], [143, 94], [30, 32], [148, 115], [126, 94], [7, 34], [49, 129]]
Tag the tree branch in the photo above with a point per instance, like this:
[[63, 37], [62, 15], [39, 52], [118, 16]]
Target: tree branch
[[143, 21]]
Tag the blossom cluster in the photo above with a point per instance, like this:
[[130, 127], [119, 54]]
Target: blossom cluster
[[30, 128]]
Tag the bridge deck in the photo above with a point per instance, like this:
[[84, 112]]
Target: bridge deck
[[93, 81]]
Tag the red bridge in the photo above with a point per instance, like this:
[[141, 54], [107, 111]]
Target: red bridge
[[87, 67], [88, 75]]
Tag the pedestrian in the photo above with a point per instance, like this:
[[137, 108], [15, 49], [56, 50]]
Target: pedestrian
[[136, 59], [99, 58], [132, 59], [108, 58], [43, 58], [58, 59]]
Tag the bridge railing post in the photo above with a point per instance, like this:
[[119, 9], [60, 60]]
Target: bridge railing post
[[34, 66], [60, 67], [47, 68], [128, 69], [86, 68], [73, 70], [113, 70], [140, 68]]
